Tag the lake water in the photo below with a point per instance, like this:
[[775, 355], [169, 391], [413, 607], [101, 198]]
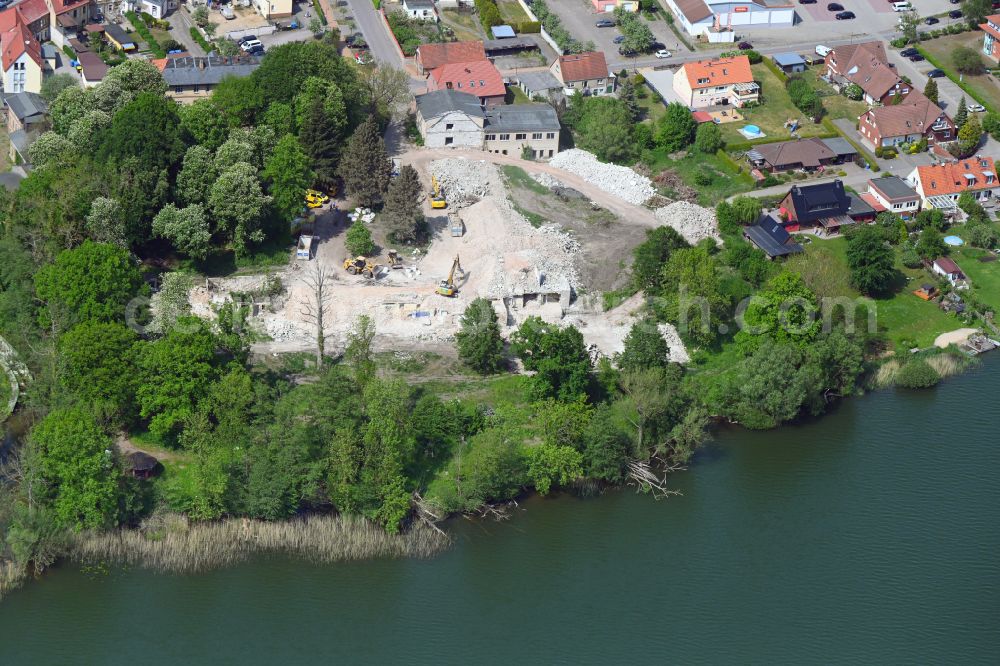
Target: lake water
[[870, 536]]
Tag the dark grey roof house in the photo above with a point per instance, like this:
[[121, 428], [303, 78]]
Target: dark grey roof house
[[191, 77], [439, 102], [522, 118], [769, 235], [810, 204], [27, 107]]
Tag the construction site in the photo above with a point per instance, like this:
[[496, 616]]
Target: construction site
[[481, 246]]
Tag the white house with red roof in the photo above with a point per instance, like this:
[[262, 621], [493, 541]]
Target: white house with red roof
[[584, 72], [480, 78], [22, 28], [940, 185], [991, 37]]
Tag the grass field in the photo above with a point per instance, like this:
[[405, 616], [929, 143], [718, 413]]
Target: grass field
[[902, 317], [941, 48], [983, 276], [837, 106], [724, 180], [771, 115], [465, 24], [512, 12]]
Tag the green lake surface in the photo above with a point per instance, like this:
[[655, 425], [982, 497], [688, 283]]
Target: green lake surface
[[868, 536]]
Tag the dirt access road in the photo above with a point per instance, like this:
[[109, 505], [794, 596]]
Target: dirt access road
[[627, 212]]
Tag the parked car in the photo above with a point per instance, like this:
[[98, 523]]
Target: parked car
[[835, 7], [955, 2], [251, 44], [628, 53], [823, 51], [916, 57], [807, 2], [745, 46], [663, 53], [935, 74], [844, 16], [955, 14], [931, 20], [618, 40], [227, 13], [976, 108], [907, 52], [605, 23]]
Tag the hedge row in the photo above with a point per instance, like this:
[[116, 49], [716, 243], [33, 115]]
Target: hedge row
[[319, 11], [140, 27], [777, 70], [68, 50], [872, 162], [489, 14], [527, 27]]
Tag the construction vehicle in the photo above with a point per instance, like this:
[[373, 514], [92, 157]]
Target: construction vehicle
[[456, 225], [447, 286], [361, 265], [394, 259], [437, 196], [317, 196]]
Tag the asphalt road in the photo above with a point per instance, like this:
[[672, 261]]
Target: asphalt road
[[379, 40]]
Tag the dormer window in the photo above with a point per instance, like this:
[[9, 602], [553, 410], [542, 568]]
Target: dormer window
[[702, 80]]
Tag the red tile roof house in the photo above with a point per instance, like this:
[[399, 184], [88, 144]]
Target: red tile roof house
[[991, 38], [940, 185], [914, 119], [479, 78], [586, 72], [432, 56], [867, 66], [950, 270], [22, 28]]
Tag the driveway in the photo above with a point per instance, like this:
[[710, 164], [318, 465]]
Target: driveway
[[380, 42]]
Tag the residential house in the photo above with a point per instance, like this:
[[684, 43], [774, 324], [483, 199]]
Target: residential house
[[823, 205], [193, 78], [991, 38], [481, 78], [27, 117], [118, 38], [940, 185], [513, 129], [770, 235], [422, 10], [914, 119], [274, 9], [947, 268], [68, 17], [450, 118], [541, 84], [892, 194], [585, 72], [724, 82], [22, 29], [867, 66], [789, 63], [432, 56], [806, 154], [860, 210], [158, 8]]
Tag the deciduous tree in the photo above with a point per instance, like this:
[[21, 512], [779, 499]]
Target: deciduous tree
[[187, 228], [870, 260], [287, 174], [238, 203], [676, 129]]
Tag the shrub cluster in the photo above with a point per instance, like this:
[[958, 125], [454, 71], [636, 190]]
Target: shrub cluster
[[143, 30], [553, 25]]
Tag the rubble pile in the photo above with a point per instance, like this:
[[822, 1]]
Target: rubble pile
[[467, 181], [620, 181], [691, 221]]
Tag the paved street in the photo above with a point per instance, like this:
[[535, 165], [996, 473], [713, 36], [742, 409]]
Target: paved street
[[376, 33], [181, 22], [579, 18]]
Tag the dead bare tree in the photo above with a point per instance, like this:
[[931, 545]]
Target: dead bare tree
[[642, 474], [317, 307]]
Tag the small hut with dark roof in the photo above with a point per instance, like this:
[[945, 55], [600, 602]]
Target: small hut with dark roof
[[142, 465]]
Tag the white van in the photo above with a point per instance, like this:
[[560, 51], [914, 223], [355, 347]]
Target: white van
[[823, 51], [901, 6]]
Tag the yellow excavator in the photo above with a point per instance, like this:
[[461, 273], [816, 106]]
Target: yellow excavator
[[361, 265], [437, 196], [447, 286], [395, 260]]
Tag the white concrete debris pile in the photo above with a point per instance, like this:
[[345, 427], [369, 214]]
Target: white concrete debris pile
[[690, 220], [546, 180], [467, 181], [620, 181]]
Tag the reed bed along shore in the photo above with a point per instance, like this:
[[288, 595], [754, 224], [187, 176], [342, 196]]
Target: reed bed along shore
[[172, 543], [11, 577]]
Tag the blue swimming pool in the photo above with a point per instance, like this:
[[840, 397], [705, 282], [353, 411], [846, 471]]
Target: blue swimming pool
[[954, 240]]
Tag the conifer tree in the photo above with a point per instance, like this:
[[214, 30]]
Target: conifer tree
[[365, 167], [931, 91], [402, 207], [321, 142], [962, 114]]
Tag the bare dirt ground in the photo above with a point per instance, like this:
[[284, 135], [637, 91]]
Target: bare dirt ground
[[954, 337], [501, 255]]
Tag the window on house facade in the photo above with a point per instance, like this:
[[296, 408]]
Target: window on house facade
[[536, 135], [520, 137], [178, 89], [550, 135], [505, 137], [449, 126], [491, 137], [448, 140]]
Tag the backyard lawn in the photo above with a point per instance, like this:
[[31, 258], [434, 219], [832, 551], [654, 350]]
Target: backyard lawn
[[512, 12], [941, 48], [837, 106], [905, 319], [776, 108], [983, 276], [464, 24]]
